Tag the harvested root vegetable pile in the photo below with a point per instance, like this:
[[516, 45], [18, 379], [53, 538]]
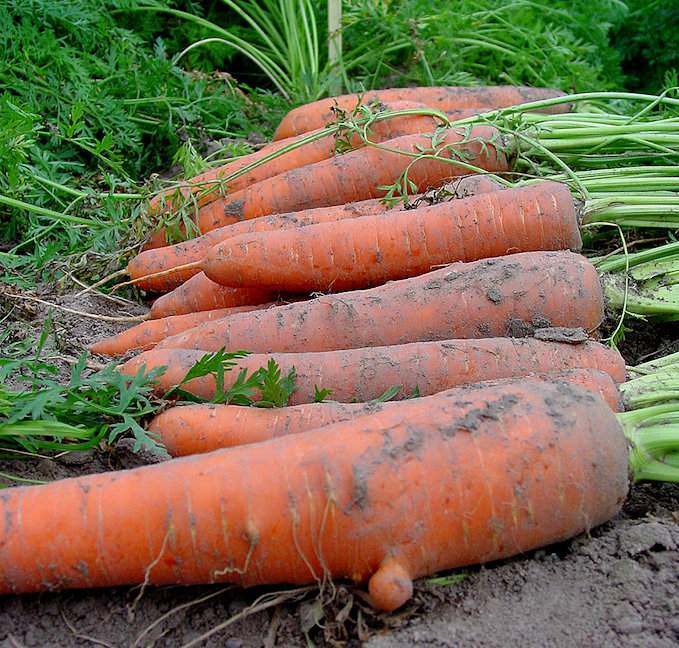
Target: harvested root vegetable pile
[[382, 355]]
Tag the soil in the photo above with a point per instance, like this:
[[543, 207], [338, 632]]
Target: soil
[[618, 586]]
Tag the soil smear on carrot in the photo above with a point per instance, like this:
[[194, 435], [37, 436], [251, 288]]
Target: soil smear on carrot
[[617, 586]]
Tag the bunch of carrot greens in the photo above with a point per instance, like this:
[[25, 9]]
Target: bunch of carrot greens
[[345, 271]]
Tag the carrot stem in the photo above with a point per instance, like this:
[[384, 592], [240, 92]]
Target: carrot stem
[[643, 283], [653, 433]]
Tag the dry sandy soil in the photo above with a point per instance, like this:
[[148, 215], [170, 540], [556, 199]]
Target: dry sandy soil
[[619, 586]]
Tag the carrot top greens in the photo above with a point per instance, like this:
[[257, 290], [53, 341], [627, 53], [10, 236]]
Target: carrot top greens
[[45, 414]]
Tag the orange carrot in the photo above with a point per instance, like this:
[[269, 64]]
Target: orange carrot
[[510, 295], [368, 251], [147, 334], [359, 174], [380, 500], [446, 99], [208, 187], [201, 294], [194, 429], [205, 187], [163, 259], [365, 373]]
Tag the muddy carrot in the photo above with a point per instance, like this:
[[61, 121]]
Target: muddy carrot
[[366, 373], [381, 500], [198, 428], [509, 295], [446, 99], [173, 256], [374, 249]]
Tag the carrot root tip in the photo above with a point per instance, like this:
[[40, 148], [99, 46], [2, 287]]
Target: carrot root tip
[[390, 586]]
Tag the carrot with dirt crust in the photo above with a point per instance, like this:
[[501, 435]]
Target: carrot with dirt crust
[[164, 259], [198, 428], [206, 186], [366, 373], [371, 250], [362, 174], [202, 294], [382, 499], [446, 99], [147, 334], [509, 295]]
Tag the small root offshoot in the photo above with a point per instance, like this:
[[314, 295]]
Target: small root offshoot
[[116, 300], [264, 602], [147, 576], [101, 282], [330, 502], [84, 637], [176, 610], [252, 535], [295, 539], [103, 318], [161, 273]]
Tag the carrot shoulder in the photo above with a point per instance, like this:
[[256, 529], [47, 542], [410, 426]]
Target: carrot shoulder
[[381, 500], [364, 374], [198, 428], [374, 249], [446, 99], [509, 295]]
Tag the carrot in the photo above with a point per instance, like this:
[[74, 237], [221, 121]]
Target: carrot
[[205, 186], [194, 429], [201, 294], [364, 374], [371, 250], [208, 187], [163, 259], [359, 174], [381, 500], [510, 295], [446, 99], [147, 334]]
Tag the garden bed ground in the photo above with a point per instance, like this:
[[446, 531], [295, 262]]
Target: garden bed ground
[[617, 587]]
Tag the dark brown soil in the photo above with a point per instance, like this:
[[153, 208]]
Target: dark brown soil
[[617, 587]]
